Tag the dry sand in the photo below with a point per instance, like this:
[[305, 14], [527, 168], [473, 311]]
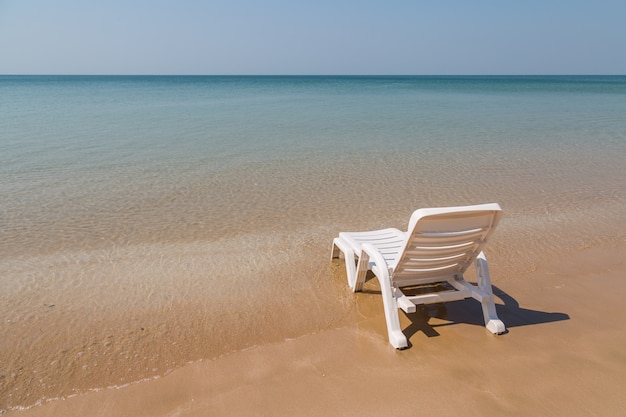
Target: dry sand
[[562, 356]]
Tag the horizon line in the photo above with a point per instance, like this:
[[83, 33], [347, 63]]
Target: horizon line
[[309, 75]]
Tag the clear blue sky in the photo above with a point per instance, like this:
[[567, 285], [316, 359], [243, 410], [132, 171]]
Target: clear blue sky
[[312, 37]]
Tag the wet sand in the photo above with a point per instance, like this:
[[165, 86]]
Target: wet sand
[[562, 356]]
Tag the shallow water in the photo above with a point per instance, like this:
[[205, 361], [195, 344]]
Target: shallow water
[[151, 221]]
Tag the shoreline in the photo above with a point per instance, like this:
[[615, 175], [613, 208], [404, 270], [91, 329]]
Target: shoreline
[[561, 356]]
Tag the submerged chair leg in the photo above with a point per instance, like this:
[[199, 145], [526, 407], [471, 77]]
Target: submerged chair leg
[[356, 268], [492, 322], [362, 266], [334, 250], [349, 259]]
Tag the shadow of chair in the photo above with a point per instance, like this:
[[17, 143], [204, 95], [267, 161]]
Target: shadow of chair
[[461, 312]]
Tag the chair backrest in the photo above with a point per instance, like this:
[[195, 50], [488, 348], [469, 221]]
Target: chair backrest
[[443, 242]]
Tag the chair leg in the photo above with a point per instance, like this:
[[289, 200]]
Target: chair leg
[[349, 259], [394, 331], [334, 251], [492, 322], [362, 266]]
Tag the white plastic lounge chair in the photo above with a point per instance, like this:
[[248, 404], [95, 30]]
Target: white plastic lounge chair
[[440, 244]]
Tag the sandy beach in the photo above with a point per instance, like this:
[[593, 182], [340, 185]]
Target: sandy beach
[[562, 356]]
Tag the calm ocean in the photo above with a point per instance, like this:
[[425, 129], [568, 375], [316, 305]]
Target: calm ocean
[[157, 220]]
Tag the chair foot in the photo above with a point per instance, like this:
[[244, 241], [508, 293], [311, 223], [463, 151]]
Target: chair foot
[[398, 340], [496, 326]]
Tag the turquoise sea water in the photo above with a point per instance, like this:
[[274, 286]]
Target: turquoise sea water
[[148, 157], [141, 201]]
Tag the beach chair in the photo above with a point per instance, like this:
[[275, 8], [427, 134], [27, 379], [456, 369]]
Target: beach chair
[[438, 247]]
